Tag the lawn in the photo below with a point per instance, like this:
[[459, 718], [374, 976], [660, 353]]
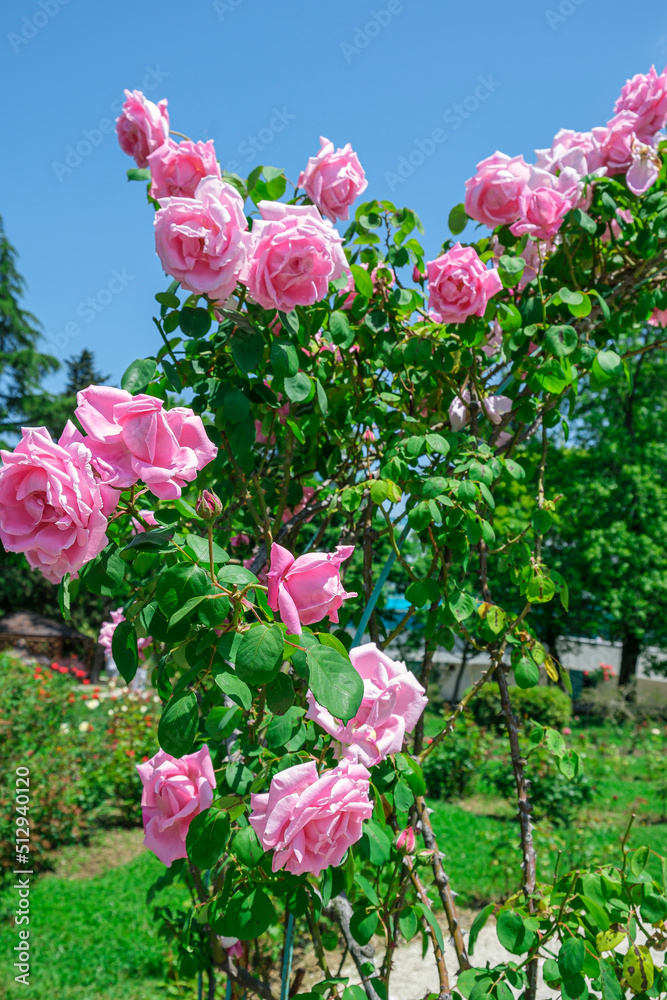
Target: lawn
[[93, 937]]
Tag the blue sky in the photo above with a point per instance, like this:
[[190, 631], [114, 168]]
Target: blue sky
[[252, 74]]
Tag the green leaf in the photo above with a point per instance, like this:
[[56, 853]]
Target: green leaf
[[362, 281], [299, 387], [571, 957], [653, 908], [322, 400], [235, 405], [247, 848], [511, 931], [607, 365], [195, 322], [139, 174], [379, 491], [509, 317], [541, 522], [64, 597], [477, 924], [584, 221], [639, 859], [335, 683], [248, 915], [609, 984], [340, 330], [207, 837], [561, 340], [179, 584], [280, 694], [124, 650], [260, 654], [408, 923], [375, 845], [540, 590], [363, 924], [551, 972], [178, 725], [463, 607], [284, 358], [435, 926], [437, 443], [458, 219], [526, 673], [247, 350], [234, 688]]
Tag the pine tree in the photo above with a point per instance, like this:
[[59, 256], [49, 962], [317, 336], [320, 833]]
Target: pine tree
[[22, 365], [81, 372]]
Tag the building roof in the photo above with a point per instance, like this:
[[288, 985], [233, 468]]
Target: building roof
[[26, 623]]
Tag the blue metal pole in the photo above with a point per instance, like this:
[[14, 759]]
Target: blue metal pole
[[287, 958], [382, 579]]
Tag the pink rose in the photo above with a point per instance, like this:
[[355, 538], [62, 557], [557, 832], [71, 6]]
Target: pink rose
[[645, 167], [306, 589], [178, 167], [646, 96], [105, 638], [492, 195], [233, 946], [203, 241], [545, 202], [142, 127], [134, 437], [406, 840], [460, 285], [568, 149], [108, 628], [392, 704], [149, 517], [176, 789], [613, 142], [494, 340], [236, 541], [333, 180], [614, 228], [567, 731], [310, 821], [52, 506], [294, 255], [308, 494], [494, 407], [658, 318]]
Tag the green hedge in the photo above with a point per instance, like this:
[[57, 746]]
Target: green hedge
[[547, 706]]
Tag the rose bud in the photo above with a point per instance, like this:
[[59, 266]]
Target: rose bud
[[208, 506], [406, 840]]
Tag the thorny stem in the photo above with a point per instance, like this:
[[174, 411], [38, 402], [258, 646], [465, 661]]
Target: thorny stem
[[525, 822], [445, 991], [210, 553]]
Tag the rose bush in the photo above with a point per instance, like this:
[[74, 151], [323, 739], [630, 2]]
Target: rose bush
[[349, 428]]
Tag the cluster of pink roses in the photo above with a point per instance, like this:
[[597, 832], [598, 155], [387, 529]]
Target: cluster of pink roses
[[535, 199], [201, 232], [56, 497], [308, 820]]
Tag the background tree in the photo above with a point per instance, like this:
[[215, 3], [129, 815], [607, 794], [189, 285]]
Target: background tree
[[22, 365]]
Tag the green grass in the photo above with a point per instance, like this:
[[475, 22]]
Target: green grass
[[92, 938], [480, 836]]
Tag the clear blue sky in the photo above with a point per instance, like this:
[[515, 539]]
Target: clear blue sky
[[380, 75]]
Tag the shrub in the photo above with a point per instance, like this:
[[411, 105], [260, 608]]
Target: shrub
[[547, 706], [80, 750], [552, 796], [450, 770]]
